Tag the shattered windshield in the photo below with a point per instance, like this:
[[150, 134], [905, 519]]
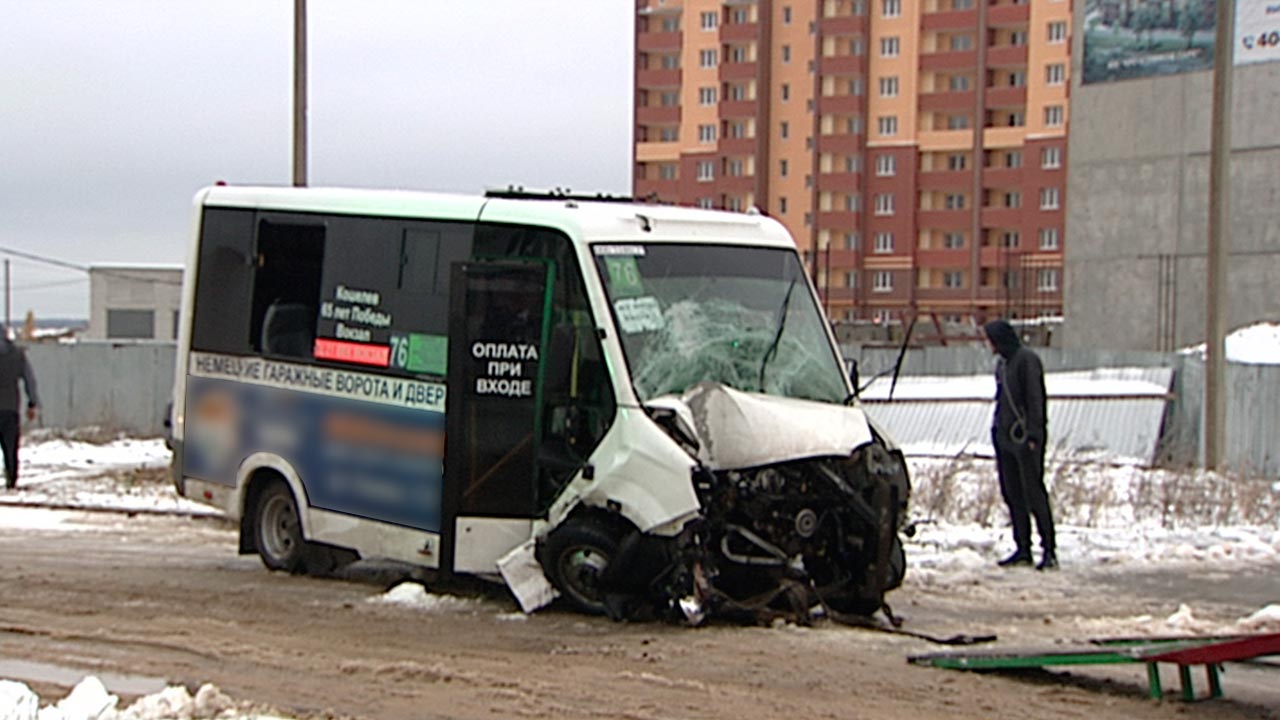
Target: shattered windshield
[[739, 316]]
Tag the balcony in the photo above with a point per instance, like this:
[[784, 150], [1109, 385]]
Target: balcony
[[1001, 137], [995, 256], [837, 259], [737, 146], [845, 182], [655, 41], [958, 258], [739, 32], [942, 294], [844, 25], [657, 78], [944, 219], [843, 144], [1001, 177], [663, 189], [952, 60], [1007, 56], [1008, 15], [946, 140], [1006, 97], [657, 152], [658, 115], [738, 71], [1001, 217], [841, 65], [964, 100], [842, 220], [842, 295], [950, 20], [737, 108], [945, 180], [736, 183], [838, 104]]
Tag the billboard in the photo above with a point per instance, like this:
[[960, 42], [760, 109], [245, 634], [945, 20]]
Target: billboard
[[1126, 39]]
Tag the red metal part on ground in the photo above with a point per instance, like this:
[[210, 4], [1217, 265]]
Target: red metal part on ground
[[1219, 652]]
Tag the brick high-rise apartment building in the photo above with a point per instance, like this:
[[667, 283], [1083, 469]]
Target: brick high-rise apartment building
[[916, 149]]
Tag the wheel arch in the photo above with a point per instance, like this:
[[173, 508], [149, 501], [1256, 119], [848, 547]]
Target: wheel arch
[[256, 472]]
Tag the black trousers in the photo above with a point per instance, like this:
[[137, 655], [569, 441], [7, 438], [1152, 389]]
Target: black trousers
[[1021, 471], [9, 443]]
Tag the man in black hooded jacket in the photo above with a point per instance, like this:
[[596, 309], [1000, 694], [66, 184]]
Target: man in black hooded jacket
[[13, 368], [1019, 432]]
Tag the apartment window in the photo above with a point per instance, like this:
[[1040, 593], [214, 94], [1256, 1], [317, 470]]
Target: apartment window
[[671, 62], [1058, 31], [1055, 74], [671, 24], [1017, 119], [669, 99], [1009, 279], [961, 4], [953, 241], [707, 58], [953, 279], [957, 122], [850, 281], [884, 204], [1018, 38], [889, 46], [733, 168], [784, 130], [668, 171], [887, 124], [851, 241], [706, 133], [786, 15], [1013, 159], [786, 53], [1047, 279], [957, 161], [1013, 199], [736, 129], [808, 219], [954, 201], [741, 16], [1049, 238], [1049, 199], [961, 42], [710, 20], [786, 91], [1009, 239], [782, 206], [706, 171], [960, 83], [857, 46], [889, 86], [782, 168], [884, 242], [739, 54], [1053, 115], [886, 165], [705, 203], [668, 134], [738, 92], [855, 86], [855, 124], [882, 281], [852, 163], [890, 8], [733, 203], [707, 96], [853, 203], [1051, 157], [1017, 78]]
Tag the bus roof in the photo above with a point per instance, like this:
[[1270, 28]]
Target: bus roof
[[583, 220]]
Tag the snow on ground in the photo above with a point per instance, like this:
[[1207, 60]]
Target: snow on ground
[[1254, 344], [1121, 518]]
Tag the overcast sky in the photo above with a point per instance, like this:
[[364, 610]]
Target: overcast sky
[[113, 114]]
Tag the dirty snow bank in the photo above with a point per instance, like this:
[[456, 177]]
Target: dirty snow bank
[[89, 700]]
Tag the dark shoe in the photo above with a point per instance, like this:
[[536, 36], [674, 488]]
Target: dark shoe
[[1050, 562], [1018, 558]]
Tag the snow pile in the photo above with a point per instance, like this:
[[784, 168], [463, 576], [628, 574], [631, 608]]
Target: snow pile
[[1255, 344], [413, 595], [89, 700]]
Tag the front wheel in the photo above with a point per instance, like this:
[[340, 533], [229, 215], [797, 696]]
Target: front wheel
[[576, 556], [278, 531]]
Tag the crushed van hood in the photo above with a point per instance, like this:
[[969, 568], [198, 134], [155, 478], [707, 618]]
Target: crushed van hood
[[738, 429]]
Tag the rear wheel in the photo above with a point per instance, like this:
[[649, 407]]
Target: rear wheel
[[576, 556], [278, 531]]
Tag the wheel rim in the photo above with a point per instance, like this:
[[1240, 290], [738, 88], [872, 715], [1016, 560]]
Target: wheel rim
[[279, 527], [581, 567]]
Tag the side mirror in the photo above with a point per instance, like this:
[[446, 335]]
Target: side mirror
[[852, 367]]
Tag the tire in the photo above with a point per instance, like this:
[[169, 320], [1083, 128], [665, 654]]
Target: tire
[[278, 530], [576, 556]]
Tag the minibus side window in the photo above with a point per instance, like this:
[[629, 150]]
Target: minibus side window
[[286, 288], [224, 282]]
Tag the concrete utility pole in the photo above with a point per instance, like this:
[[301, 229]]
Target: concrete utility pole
[[300, 93], [1219, 238]]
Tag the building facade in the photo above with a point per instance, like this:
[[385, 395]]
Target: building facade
[[134, 302], [916, 149]]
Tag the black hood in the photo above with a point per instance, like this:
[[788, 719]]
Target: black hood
[[1003, 337]]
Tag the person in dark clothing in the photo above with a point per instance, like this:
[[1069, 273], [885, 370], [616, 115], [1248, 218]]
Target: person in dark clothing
[[13, 367], [1019, 433]]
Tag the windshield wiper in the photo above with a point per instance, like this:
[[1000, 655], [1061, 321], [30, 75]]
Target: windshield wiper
[[772, 350]]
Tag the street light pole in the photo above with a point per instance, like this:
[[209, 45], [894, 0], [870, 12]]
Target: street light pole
[[1219, 237], [300, 93]]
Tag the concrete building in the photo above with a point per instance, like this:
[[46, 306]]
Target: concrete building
[[916, 149], [134, 302], [1138, 210]]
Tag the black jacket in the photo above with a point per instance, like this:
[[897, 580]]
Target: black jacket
[[14, 367], [1020, 395]]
